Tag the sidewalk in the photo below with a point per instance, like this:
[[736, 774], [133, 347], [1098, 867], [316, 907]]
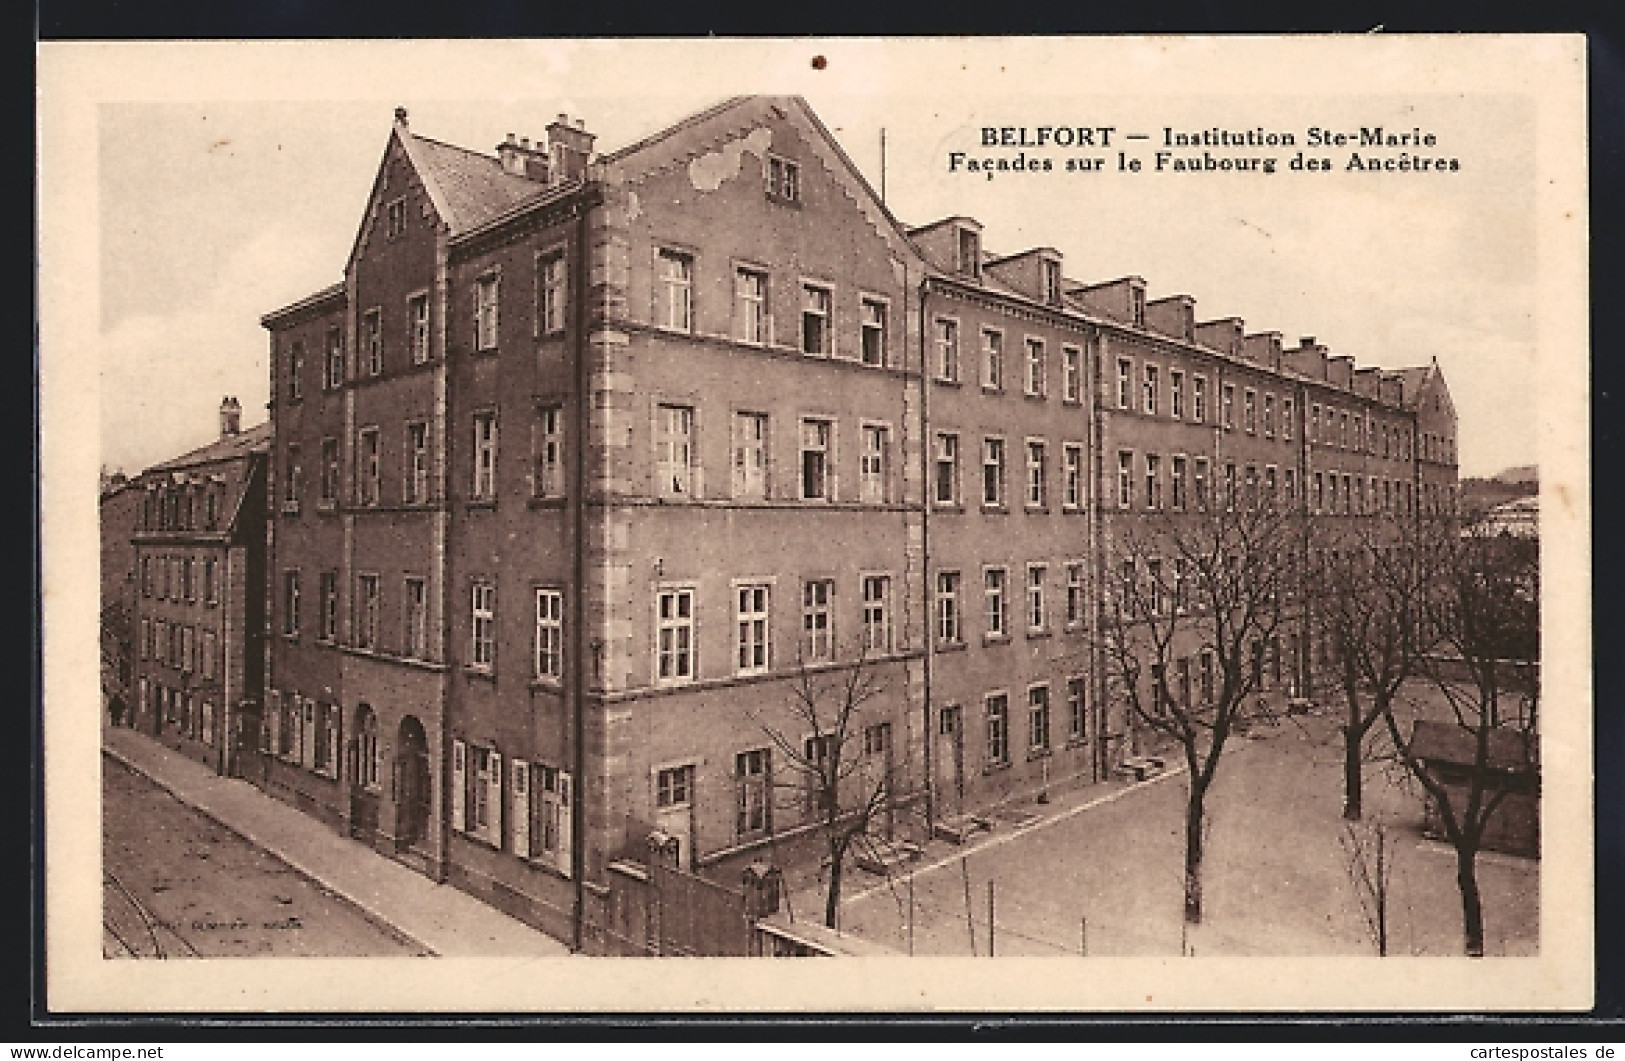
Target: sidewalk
[[440, 918]]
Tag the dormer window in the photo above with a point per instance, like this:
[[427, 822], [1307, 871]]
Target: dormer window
[[1052, 281], [970, 253], [1136, 299], [783, 180]]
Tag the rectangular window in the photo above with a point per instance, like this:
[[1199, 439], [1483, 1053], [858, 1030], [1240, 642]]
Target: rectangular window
[[1199, 482], [817, 621], [674, 787], [211, 587], [293, 481], [947, 350], [1125, 383], [1036, 368], [1291, 487], [296, 372], [549, 448], [1072, 482], [1037, 605], [1177, 479], [993, 472], [372, 340], [1227, 407], [1249, 411], [1269, 416], [1198, 399], [1052, 281], [674, 453], [751, 625], [1038, 718], [483, 627], [330, 471], [484, 796], [750, 455], [947, 477], [1229, 486], [872, 464], [327, 590], [333, 364], [1156, 599], [675, 635], [1343, 431], [754, 783], [290, 603], [815, 460], [188, 648], [998, 729], [1074, 594], [676, 281], [815, 333], [550, 292], [1151, 391], [1314, 422], [970, 253], [992, 359], [1125, 478], [395, 217], [1071, 374], [415, 639], [1176, 394], [415, 484], [873, 339], [366, 612], [876, 614], [783, 179], [1153, 481], [549, 658], [1037, 475], [417, 308], [1286, 419], [1206, 671], [484, 487], [485, 312], [367, 467], [995, 611], [948, 631], [1077, 708], [750, 299], [1270, 496]]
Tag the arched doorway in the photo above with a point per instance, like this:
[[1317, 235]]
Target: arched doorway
[[364, 774], [414, 790]]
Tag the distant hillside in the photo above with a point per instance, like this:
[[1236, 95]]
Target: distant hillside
[[1503, 486]]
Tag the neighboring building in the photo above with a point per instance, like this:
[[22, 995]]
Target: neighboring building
[[1519, 518], [200, 608], [586, 464], [120, 516]]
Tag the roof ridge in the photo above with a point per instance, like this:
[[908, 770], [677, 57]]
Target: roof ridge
[[678, 126]]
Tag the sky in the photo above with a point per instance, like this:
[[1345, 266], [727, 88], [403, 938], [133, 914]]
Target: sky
[[228, 188]]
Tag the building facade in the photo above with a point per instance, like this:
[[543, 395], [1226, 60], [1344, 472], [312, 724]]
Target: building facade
[[200, 606], [600, 484]]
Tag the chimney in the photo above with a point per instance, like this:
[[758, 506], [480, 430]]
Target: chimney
[[569, 148], [231, 417], [520, 159], [400, 117]]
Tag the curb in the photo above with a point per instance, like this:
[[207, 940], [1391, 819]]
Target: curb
[[374, 917]]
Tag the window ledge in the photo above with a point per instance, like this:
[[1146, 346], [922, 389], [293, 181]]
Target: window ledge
[[546, 685], [1034, 754], [1076, 742], [1036, 510], [1034, 396], [995, 639], [488, 674], [480, 503], [943, 381], [1037, 635], [993, 768], [995, 510], [951, 646], [549, 501]]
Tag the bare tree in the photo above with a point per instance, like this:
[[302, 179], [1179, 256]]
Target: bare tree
[[839, 762], [1370, 869], [1211, 587], [1373, 583], [1483, 610]]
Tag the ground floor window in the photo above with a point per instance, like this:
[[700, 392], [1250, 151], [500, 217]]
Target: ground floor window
[[753, 781], [541, 803]]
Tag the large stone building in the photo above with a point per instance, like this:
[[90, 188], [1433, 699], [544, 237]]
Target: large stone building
[[590, 464], [200, 605]]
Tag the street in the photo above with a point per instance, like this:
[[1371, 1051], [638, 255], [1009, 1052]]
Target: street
[[1108, 879], [177, 884]]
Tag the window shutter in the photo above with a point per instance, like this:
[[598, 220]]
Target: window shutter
[[459, 783], [520, 816], [566, 825], [494, 800]]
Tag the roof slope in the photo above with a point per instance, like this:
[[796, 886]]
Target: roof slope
[[254, 440], [473, 187], [1446, 742]]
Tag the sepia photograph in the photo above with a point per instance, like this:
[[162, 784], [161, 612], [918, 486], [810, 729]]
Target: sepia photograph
[[1099, 504]]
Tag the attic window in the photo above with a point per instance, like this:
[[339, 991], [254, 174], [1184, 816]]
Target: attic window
[[1052, 282], [1137, 307], [783, 180], [970, 253], [397, 217]]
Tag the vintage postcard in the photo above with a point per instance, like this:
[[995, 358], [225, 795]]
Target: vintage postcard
[[1100, 505]]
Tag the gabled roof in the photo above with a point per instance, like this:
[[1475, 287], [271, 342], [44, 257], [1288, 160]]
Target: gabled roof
[[472, 188], [254, 440], [1412, 380]]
